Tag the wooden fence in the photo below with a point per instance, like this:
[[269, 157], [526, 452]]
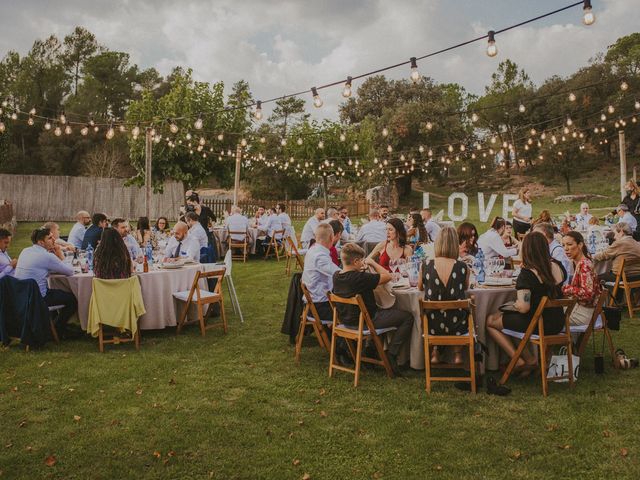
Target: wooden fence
[[42, 198], [297, 209]]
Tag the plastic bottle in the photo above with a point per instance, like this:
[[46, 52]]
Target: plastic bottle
[[478, 266], [592, 243], [149, 253], [90, 258]]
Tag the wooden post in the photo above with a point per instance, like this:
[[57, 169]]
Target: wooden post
[[148, 152], [236, 184], [635, 174], [324, 191], [623, 163]]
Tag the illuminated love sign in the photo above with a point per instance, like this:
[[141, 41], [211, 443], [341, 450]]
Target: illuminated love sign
[[458, 206]]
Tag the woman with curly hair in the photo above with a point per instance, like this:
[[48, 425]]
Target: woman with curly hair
[[112, 259], [417, 232]]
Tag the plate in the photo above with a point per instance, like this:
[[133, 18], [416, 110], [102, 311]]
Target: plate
[[498, 282], [171, 266]]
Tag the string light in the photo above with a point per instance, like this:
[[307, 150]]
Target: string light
[[63, 118], [84, 131], [32, 111], [572, 97], [637, 105], [320, 144], [492, 49], [624, 86], [317, 101], [173, 128], [30, 121], [299, 141], [415, 74], [135, 131], [47, 125], [385, 132], [569, 121], [346, 91], [611, 109], [429, 125], [220, 137], [57, 131], [343, 137], [588, 16], [111, 133], [474, 117], [198, 123], [2, 127], [68, 130], [258, 113], [522, 108]]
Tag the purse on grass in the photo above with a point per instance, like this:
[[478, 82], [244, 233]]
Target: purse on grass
[[613, 314]]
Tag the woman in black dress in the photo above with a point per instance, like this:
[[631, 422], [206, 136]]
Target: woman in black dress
[[540, 277], [443, 279]]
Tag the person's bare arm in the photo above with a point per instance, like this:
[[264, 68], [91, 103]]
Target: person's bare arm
[[376, 251], [385, 277]]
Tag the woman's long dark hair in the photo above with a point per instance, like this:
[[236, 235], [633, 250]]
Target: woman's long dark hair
[[535, 256], [579, 239], [112, 259], [418, 224], [143, 226], [468, 233], [401, 233]]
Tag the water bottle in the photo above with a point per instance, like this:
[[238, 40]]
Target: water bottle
[[149, 253], [478, 266], [90, 257], [592, 243]]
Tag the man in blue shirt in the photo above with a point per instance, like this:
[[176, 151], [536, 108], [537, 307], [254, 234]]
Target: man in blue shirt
[[76, 235], [7, 266], [94, 232], [121, 225], [37, 262]]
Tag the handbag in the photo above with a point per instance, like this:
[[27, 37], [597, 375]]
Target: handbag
[[559, 366], [612, 314]]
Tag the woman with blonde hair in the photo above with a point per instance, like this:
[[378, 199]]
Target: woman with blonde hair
[[446, 278], [522, 211], [632, 199]]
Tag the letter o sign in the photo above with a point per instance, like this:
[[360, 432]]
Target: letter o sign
[[465, 206]]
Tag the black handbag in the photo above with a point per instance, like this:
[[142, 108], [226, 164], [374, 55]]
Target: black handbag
[[613, 316]]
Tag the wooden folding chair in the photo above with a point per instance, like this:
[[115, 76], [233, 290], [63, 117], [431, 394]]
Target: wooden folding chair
[[448, 340], [238, 245], [621, 282], [201, 298], [311, 317], [116, 339], [276, 244], [295, 256], [543, 341], [598, 323], [364, 331], [520, 236], [54, 312]]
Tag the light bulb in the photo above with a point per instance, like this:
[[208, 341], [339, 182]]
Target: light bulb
[[492, 50], [202, 141], [321, 144], [220, 136], [588, 17], [317, 101], [569, 121], [188, 136], [136, 131], [603, 117], [173, 128], [522, 108], [389, 148], [198, 124], [263, 140], [533, 131], [346, 91], [68, 130], [356, 147], [624, 86], [243, 142], [30, 121], [110, 133], [2, 127], [57, 132], [415, 74], [283, 142], [32, 111], [572, 97], [610, 109], [122, 128], [474, 117], [84, 131], [258, 113], [299, 141], [637, 105], [47, 125], [343, 137], [385, 132], [63, 118], [91, 121], [421, 149], [429, 125], [14, 116]]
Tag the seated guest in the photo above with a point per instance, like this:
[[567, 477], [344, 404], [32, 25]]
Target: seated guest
[[584, 285], [181, 245], [346, 221], [433, 229], [309, 228], [236, 222], [375, 230], [539, 277], [94, 232], [260, 219], [584, 217], [507, 236], [337, 228], [444, 279], [318, 270], [196, 232], [112, 259], [544, 217], [162, 226], [632, 200], [143, 233], [594, 221], [555, 249], [417, 233], [623, 247], [468, 242], [625, 216], [121, 225], [332, 214], [352, 281], [76, 235], [37, 262], [394, 247], [59, 245], [284, 218], [274, 224], [491, 241], [384, 212], [7, 265]]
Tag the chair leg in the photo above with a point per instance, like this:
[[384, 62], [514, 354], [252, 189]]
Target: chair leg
[[358, 358], [427, 360], [54, 332], [612, 350], [233, 303], [100, 338], [183, 318], [383, 355], [136, 339], [570, 361], [224, 317], [543, 369], [235, 295], [332, 353], [514, 360], [472, 365], [303, 324], [201, 320]]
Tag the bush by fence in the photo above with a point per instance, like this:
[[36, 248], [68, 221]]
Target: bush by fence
[[297, 209]]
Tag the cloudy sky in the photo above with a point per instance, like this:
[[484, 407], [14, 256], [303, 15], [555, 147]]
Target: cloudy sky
[[284, 46]]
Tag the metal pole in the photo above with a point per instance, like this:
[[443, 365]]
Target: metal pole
[[148, 152], [623, 163], [236, 185]]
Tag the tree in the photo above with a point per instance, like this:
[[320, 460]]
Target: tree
[[79, 46], [288, 111]]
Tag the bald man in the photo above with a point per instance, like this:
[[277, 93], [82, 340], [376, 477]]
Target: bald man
[[76, 235], [181, 245], [308, 232]]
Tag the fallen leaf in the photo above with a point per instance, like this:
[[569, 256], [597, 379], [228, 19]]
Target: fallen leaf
[[165, 461], [157, 454], [139, 392], [300, 422], [438, 467], [296, 462], [8, 445], [290, 434], [155, 405], [171, 453], [322, 391], [624, 452], [564, 447], [23, 423], [317, 401], [28, 448], [40, 365], [72, 389], [306, 476], [552, 427], [516, 455], [77, 418], [606, 434], [323, 413], [14, 389], [50, 461], [377, 475], [172, 381]]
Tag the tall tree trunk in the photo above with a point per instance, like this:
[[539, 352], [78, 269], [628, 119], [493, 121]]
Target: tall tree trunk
[[324, 192]]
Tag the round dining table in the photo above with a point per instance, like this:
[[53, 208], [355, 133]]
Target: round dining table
[[158, 286]]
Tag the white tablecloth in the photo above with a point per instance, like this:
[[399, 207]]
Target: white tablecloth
[[157, 287], [222, 234]]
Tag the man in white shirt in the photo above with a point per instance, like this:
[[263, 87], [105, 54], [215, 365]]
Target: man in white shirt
[[491, 241], [181, 245], [433, 229], [36, 262], [60, 244], [319, 269], [196, 231], [76, 235], [555, 249], [583, 218], [236, 222], [308, 231], [332, 214], [625, 216], [261, 221], [375, 230], [384, 212], [285, 219], [7, 266], [121, 225]]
